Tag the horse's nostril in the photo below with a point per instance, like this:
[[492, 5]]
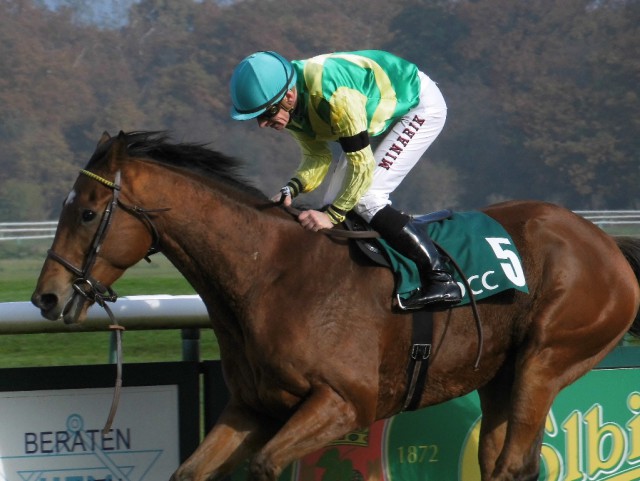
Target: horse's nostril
[[45, 302]]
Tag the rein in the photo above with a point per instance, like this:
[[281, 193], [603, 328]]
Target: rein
[[91, 289], [336, 232]]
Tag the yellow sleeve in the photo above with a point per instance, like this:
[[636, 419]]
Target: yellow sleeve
[[316, 159], [358, 178], [349, 122]]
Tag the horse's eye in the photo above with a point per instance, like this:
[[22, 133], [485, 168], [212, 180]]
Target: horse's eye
[[88, 215]]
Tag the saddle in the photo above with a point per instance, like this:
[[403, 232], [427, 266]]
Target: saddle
[[371, 247]]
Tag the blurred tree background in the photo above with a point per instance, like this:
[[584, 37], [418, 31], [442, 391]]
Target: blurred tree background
[[543, 94]]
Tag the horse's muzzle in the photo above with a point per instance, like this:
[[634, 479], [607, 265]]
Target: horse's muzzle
[[53, 309]]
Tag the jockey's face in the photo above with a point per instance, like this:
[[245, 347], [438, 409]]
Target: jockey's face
[[282, 115]]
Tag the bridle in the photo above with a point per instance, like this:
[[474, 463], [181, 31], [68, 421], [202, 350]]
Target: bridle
[[90, 288], [85, 285]]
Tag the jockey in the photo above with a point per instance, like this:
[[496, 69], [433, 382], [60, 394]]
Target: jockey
[[347, 97]]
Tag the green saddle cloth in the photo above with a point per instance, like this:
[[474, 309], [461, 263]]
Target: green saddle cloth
[[481, 247]]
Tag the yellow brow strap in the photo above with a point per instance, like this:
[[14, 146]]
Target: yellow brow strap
[[106, 182]]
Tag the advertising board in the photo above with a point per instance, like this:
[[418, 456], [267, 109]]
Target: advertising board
[[56, 434]]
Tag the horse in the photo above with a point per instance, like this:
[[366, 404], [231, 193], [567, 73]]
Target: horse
[[311, 344]]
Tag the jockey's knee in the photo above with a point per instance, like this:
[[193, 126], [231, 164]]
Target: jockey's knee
[[370, 205]]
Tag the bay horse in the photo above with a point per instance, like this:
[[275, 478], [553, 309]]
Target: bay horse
[[311, 345]]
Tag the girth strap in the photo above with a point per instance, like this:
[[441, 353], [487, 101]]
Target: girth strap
[[421, 343]]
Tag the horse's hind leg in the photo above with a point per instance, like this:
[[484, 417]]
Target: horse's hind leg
[[497, 423], [495, 402], [543, 367]]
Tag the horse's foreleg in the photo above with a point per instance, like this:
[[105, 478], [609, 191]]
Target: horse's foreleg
[[237, 434], [323, 417]]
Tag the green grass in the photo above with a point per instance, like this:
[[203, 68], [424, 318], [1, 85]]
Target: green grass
[[18, 278]]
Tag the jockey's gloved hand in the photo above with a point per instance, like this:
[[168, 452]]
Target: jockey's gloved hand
[[284, 197]]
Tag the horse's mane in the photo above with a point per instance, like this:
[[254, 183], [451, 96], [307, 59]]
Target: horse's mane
[[195, 158]]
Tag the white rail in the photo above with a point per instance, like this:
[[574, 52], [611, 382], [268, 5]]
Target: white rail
[[47, 229], [27, 230], [133, 313], [611, 217]]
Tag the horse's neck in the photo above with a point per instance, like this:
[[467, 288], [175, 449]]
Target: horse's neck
[[220, 244]]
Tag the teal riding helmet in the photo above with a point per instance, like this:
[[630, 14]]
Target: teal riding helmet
[[259, 81]]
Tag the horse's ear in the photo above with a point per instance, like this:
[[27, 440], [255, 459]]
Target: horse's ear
[[104, 138], [118, 150]]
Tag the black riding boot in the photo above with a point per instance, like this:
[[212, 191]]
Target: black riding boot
[[399, 230], [438, 287]]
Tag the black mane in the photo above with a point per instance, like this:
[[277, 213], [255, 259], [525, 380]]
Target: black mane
[[195, 158]]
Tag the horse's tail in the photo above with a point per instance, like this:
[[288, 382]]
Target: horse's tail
[[630, 247]]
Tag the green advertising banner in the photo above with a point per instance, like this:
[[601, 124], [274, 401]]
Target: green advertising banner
[[592, 433]]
